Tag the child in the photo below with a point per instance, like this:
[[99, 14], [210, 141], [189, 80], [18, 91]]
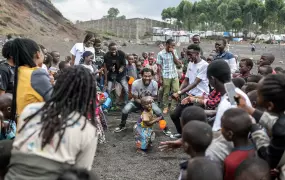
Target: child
[[145, 58], [152, 65], [139, 68], [250, 86], [236, 125], [245, 66], [196, 138], [279, 70], [143, 128], [265, 70], [7, 125], [238, 82], [201, 168], [254, 78], [252, 95], [253, 169], [131, 67]]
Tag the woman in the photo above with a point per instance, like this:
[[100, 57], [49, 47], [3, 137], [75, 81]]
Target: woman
[[56, 135], [79, 48], [33, 83]]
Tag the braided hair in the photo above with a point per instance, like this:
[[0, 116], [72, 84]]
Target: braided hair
[[23, 52], [273, 90], [74, 91]]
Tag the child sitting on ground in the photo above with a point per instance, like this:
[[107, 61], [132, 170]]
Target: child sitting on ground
[[196, 138], [201, 168], [236, 125], [7, 125], [253, 169], [144, 134]]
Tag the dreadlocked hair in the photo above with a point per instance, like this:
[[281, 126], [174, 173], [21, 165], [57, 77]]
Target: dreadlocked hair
[[273, 90], [22, 51], [74, 91]]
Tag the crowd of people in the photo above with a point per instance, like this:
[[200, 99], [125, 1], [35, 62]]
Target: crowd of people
[[54, 113]]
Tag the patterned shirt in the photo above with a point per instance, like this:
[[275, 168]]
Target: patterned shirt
[[213, 100], [166, 60]]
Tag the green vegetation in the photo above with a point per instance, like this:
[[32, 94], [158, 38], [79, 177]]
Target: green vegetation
[[113, 14], [230, 15]]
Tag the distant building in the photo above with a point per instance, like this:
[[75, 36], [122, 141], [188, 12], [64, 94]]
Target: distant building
[[135, 28]]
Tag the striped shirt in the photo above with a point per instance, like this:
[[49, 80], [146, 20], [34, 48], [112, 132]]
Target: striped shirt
[[166, 60]]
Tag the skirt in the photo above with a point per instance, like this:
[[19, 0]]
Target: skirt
[[144, 136]]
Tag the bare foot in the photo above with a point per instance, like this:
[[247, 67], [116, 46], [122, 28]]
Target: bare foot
[[141, 152]]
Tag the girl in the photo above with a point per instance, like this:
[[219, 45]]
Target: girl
[[33, 83], [79, 48], [56, 135], [143, 129]]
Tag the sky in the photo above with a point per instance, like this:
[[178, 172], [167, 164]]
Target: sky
[[85, 10]]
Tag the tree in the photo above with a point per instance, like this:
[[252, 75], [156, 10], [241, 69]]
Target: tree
[[168, 14], [220, 15], [122, 17], [113, 13], [237, 25]]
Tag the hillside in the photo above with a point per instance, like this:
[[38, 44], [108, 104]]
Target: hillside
[[35, 18]]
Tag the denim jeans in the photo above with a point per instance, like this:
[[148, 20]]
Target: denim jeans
[[124, 84], [132, 107]]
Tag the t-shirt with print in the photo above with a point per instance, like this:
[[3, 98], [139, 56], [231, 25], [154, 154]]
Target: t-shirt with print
[[198, 70], [99, 59], [132, 70], [140, 90], [77, 147], [116, 61], [225, 105], [78, 49]]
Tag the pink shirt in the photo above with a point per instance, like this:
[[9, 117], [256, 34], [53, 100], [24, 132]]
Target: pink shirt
[[145, 62]]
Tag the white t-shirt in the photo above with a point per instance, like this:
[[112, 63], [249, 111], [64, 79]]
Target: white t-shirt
[[78, 49], [198, 70], [88, 67], [225, 105], [45, 67], [77, 147]]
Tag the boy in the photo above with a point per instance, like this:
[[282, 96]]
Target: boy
[[139, 68], [238, 82], [5, 117], [254, 78], [245, 66], [55, 58], [131, 67], [196, 138], [201, 168], [236, 125], [152, 65], [253, 169], [265, 70]]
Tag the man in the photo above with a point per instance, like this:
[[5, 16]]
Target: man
[[266, 59], [195, 83], [115, 69], [168, 60], [226, 55], [197, 40], [145, 86], [7, 70], [55, 58]]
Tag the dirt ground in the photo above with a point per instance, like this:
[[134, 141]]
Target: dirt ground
[[118, 160]]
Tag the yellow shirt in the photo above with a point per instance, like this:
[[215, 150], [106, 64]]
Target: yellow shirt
[[33, 86]]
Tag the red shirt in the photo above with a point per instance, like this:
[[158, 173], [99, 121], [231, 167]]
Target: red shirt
[[235, 158], [145, 62]]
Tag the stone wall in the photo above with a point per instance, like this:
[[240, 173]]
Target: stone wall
[[126, 28]]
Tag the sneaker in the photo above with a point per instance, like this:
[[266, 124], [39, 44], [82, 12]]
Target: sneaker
[[165, 110], [119, 129], [167, 132], [175, 136]]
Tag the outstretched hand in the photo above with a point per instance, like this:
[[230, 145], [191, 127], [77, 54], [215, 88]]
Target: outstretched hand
[[170, 145]]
